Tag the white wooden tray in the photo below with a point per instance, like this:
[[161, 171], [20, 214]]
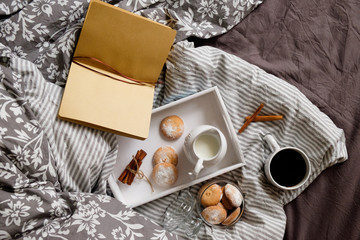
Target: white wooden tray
[[206, 107]]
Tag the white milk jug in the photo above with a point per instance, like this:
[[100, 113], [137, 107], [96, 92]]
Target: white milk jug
[[205, 146]]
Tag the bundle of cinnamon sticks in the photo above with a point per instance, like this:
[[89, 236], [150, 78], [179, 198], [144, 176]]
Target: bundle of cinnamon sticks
[[255, 118], [129, 173]]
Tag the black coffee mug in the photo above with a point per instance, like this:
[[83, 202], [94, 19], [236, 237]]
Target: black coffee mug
[[287, 168]]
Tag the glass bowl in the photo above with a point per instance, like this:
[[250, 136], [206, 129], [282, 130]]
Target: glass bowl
[[210, 212], [179, 214]]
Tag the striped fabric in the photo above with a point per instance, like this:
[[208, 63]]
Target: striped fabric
[[243, 87], [84, 157]]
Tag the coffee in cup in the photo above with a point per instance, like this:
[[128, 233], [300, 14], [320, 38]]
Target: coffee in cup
[[287, 168]]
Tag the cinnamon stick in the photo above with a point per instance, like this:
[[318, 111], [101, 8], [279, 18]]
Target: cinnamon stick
[[141, 156], [247, 122], [265, 118], [132, 166], [122, 176], [127, 176]]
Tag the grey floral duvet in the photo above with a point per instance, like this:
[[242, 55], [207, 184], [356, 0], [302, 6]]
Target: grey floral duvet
[[53, 173]]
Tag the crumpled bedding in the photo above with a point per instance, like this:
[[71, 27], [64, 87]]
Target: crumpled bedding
[[35, 200], [315, 47], [49, 187], [53, 173], [243, 87]]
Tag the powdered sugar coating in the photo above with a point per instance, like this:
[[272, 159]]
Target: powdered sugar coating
[[212, 195], [165, 154], [214, 214], [164, 174], [233, 195], [172, 127]]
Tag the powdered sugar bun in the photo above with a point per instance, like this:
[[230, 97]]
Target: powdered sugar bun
[[165, 154], [172, 127], [214, 214], [164, 174], [233, 195], [211, 196]]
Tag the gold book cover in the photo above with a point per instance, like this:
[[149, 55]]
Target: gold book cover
[[114, 46]]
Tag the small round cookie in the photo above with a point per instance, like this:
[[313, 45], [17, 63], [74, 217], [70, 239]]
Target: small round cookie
[[232, 217], [165, 154], [233, 195], [164, 174], [211, 196], [214, 214], [172, 127]]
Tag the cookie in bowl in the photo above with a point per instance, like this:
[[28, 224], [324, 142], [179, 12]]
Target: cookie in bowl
[[211, 195], [233, 196], [220, 203], [214, 214]]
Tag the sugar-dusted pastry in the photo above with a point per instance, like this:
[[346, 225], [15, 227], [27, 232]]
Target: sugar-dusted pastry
[[214, 214], [233, 195], [211, 196], [232, 217], [164, 174], [165, 154], [172, 127]]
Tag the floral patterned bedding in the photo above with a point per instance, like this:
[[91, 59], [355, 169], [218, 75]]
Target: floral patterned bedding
[[53, 173]]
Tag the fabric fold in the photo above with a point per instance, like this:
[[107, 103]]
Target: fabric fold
[[243, 87]]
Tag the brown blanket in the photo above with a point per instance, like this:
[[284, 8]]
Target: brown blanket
[[313, 45]]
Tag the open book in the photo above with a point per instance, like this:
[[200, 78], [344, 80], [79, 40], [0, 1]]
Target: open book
[[115, 44]]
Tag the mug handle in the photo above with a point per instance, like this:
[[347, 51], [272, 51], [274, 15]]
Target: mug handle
[[271, 142], [199, 165]]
